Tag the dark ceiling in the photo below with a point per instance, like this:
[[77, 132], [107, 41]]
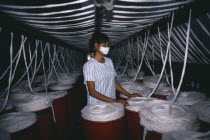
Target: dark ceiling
[[73, 22]]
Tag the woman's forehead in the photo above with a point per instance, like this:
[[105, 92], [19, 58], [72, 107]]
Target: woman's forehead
[[105, 42]]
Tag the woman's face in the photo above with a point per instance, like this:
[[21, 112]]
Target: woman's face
[[104, 44], [97, 47]]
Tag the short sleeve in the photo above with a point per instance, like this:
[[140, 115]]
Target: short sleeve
[[88, 72], [112, 66]]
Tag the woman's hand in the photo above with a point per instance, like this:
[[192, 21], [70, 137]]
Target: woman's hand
[[135, 95], [125, 103]]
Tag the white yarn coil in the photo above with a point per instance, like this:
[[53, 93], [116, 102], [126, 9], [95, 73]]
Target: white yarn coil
[[77, 73], [20, 95], [33, 103], [127, 85], [122, 79], [17, 121], [188, 98], [18, 89], [57, 94], [164, 91], [22, 86], [186, 135], [103, 112], [135, 88], [9, 105], [64, 75], [143, 92], [38, 89], [137, 103], [60, 87], [52, 82], [132, 73], [203, 110], [66, 81], [65, 78], [151, 82], [156, 116]]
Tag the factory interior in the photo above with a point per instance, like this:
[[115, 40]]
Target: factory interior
[[104, 70]]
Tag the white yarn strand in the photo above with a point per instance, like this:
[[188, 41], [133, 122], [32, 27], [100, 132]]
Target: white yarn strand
[[185, 59], [168, 46]]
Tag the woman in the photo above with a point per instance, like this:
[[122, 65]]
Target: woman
[[99, 74]]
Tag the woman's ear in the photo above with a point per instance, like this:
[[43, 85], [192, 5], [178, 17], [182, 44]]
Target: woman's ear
[[96, 45]]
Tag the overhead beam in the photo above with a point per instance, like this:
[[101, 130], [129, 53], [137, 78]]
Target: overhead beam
[[199, 8], [98, 18], [99, 14], [13, 25]]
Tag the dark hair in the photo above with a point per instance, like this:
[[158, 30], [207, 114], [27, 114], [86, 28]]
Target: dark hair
[[97, 38]]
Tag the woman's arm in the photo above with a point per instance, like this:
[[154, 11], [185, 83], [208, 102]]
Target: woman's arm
[[99, 96], [123, 91]]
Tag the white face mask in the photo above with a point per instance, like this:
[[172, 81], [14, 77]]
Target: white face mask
[[104, 50]]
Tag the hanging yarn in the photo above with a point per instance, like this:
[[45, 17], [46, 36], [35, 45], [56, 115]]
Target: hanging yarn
[[17, 121], [8, 106], [203, 110], [185, 60], [188, 98], [158, 116], [31, 56], [103, 112], [185, 135], [33, 103], [137, 103], [151, 82]]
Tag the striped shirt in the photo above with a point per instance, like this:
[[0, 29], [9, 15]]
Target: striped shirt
[[103, 74]]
